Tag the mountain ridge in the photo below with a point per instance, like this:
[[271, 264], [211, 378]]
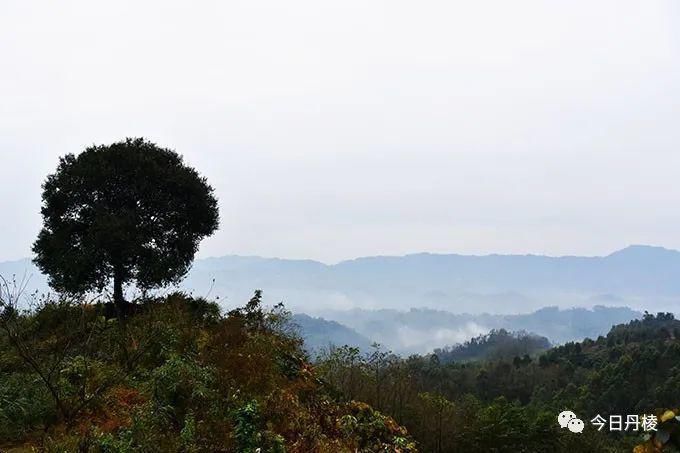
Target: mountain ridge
[[254, 258], [624, 250], [639, 276]]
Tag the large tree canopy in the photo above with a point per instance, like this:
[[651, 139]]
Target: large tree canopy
[[130, 211]]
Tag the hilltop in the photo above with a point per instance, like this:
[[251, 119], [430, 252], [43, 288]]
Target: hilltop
[[177, 375]]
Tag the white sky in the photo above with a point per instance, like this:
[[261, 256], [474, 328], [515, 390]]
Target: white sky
[[339, 129]]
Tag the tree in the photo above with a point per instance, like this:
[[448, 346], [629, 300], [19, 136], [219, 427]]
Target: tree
[[127, 212]]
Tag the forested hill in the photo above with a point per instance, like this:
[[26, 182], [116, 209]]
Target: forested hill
[[513, 402], [497, 344], [319, 334], [182, 376]]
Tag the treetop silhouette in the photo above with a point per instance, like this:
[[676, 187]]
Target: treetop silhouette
[[126, 212]]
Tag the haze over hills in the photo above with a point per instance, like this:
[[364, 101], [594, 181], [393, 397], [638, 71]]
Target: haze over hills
[[638, 276], [642, 277], [423, 330], [418, 302]]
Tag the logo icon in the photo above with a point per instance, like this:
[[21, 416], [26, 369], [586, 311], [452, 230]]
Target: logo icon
[[568, 419], [575, 425]]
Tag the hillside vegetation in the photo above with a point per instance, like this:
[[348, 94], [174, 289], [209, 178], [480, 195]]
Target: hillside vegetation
[[177, 376], [511, 404]]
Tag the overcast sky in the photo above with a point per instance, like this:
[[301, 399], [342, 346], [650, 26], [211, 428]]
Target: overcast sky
[[332, 130]]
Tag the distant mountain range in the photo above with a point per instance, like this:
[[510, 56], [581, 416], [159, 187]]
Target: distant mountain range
[[642, 277], [639, 276], [418, 302]]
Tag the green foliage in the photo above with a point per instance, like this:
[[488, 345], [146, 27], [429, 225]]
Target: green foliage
[[247, 427], [25, 405], [511, 403], [181, 384]]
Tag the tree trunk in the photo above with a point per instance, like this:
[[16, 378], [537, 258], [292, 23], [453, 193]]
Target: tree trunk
[[121, 312], [118, 299]]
